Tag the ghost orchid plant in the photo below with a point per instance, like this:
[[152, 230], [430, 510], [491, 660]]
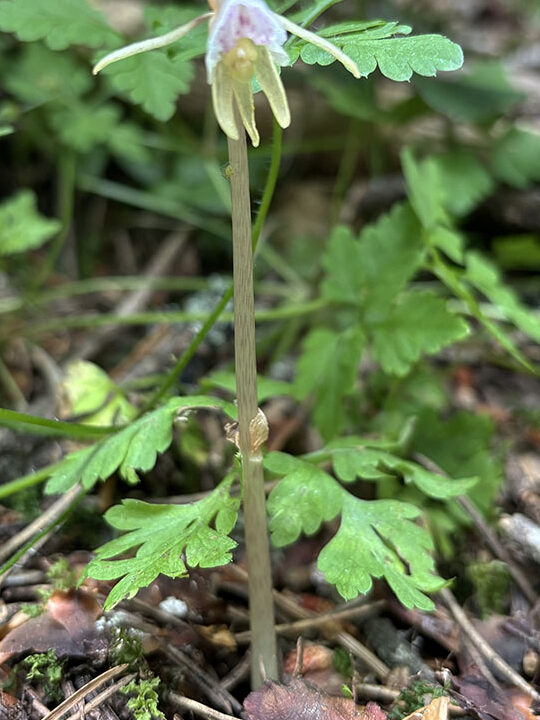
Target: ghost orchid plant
[[245, 41]]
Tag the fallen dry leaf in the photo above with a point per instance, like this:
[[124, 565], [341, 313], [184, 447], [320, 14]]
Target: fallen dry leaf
[[488, 703], [67, 626], [298, 700], [317, 668]]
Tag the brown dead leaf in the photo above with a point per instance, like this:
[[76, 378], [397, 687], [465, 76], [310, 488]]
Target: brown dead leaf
[[314, 657], [67, 626], [298, 700], [488, 703], [317, 668]]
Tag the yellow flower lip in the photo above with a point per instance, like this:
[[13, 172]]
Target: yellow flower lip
[[241, 59]]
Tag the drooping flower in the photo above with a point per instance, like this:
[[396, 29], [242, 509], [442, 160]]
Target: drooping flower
[[245, 42]]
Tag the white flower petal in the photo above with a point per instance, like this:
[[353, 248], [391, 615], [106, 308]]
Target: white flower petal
[[272, 87], [222, 97], [244, 100]]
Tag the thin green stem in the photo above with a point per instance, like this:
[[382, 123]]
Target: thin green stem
[[270, 186], [129, 283], [21, 483], [35, 425], [346, 170], [210, 321], [287, 310], [261, 609]]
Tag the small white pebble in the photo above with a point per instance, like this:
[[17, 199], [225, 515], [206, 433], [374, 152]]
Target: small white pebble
[[174, 606]]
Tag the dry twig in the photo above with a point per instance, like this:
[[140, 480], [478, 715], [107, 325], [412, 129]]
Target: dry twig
[[489, 536], [197, 708], [328, 619], [79, 694], [343, 638], [484, 648]]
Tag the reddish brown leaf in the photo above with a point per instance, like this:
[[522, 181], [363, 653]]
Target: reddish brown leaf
[[67, 626], [298, 700], [477, 695], [314, 657]]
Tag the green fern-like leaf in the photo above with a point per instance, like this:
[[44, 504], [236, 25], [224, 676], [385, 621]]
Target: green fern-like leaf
[[40, 75], [353, 462], [60, 23], [419, 323], [397, 57], [303, 500], [454, 281], [465, 180], [377, 539], [486, 278], [327, 370], [132, 449], [369, 271], [153, 80], [167, 539], [21, 226]]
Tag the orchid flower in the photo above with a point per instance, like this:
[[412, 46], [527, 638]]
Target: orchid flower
[[245, 41]]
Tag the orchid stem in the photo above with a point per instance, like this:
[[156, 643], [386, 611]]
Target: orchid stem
[[261, 610]]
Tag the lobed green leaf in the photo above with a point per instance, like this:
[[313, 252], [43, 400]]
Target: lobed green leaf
[[378, 539], [21, 225], [60, 23], [369, 271], [304, 499], [486, 278], [167, 539], [153, 80], [327, 370], [397, 57], [419, 323], [132, 449]]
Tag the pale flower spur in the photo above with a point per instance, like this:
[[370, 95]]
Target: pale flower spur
[[245, 42]]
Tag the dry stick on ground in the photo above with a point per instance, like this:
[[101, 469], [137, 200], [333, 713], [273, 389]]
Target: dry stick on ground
[[197, 708], [78, 695], [102, 697], [209, 685], [39, 524], [237, 674], [341, 637], [485, 649], [323, 619], [489, 536], [41, 709]]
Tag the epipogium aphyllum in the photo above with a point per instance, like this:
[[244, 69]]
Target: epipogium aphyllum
[[246, 42]]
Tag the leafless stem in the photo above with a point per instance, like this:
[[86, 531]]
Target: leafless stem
[[263, 644]]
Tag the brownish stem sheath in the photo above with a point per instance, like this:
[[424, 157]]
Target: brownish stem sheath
[[261, 610]]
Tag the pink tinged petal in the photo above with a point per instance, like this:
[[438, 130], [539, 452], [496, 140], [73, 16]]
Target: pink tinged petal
[[244, 101], [237, 19], [272, 87], [222, 97]]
